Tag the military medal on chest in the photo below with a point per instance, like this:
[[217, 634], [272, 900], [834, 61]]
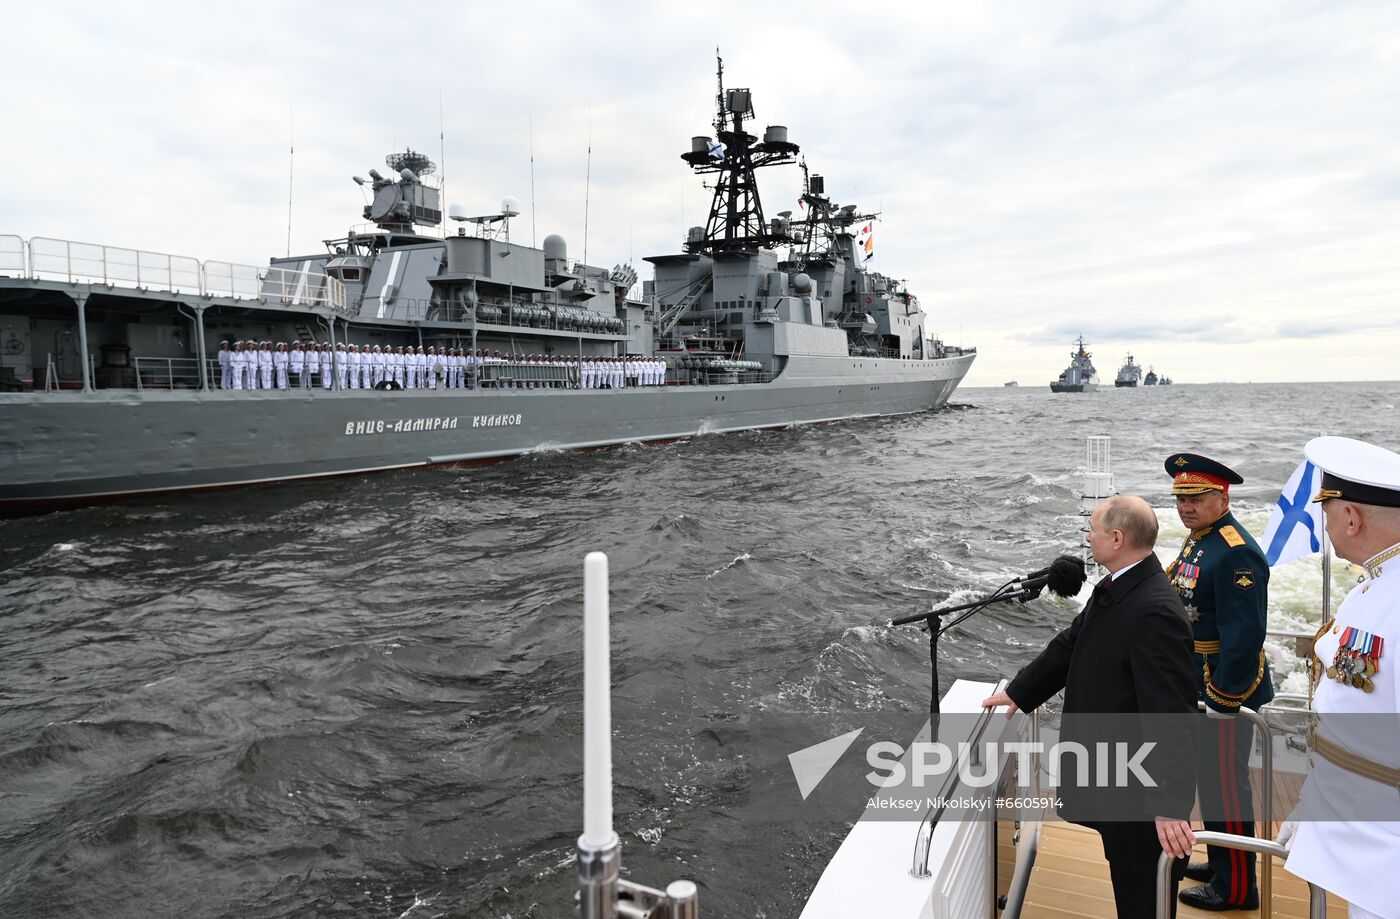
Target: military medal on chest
[[1357, 660], [1187, 576]]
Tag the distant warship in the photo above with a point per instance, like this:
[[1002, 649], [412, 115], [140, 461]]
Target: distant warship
[[117, 377], [1151, 378], [1080, 375], [1130, 374]]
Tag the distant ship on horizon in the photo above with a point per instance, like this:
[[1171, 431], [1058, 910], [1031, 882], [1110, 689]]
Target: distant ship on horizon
[[1080, 375], [1130, 374]]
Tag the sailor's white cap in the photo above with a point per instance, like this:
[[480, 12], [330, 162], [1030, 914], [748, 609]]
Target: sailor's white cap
[[1354, 470]]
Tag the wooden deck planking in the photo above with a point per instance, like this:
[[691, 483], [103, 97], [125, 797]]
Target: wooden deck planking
[[1070, 879]]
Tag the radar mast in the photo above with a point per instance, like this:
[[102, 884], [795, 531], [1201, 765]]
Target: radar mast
[[736, 213]]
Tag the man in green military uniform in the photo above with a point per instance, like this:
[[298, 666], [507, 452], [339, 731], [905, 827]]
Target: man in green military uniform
[[1223, 580]]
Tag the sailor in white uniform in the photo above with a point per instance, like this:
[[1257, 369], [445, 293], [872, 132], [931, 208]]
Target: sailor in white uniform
[[224, 353], [397, 371], [432, 367], [280, 359], [265, 366], [255, 363], [245, 365], [1345, 835], [296, 363], [235, 366], [352, 367]]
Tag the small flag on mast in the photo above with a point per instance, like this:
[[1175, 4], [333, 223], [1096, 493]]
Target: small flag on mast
[[1295, 524]]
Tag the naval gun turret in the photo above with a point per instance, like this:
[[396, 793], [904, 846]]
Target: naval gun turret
[[403, 202]]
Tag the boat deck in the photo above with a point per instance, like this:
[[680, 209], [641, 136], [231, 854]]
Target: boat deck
[[1070, 877], [1070, 881]]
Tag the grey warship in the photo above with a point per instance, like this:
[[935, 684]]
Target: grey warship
[[114, 386]]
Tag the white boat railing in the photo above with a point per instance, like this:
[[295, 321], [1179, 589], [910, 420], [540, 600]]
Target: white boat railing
[[97, 264], [44, 258], [11, 255]]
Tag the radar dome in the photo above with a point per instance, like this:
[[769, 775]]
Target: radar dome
[[510, 206], [554, 247], [801, 282], [457, 210]]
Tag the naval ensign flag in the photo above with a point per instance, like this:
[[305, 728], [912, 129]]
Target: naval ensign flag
[[1295, 524]]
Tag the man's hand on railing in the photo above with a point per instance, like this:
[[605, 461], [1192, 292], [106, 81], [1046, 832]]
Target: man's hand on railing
[[1175, 836], [1001, 698]]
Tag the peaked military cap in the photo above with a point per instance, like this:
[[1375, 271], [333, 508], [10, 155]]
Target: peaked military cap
[[1193, 474], [1354, 470]]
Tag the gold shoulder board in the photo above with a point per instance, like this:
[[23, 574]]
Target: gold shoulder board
[[1231, 536]]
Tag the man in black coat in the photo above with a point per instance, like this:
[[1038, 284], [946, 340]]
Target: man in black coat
[[1128, 653]]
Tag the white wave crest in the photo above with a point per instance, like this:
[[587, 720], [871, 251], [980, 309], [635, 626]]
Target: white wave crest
[[736, 560]]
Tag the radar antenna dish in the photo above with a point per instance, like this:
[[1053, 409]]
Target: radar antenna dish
[[418, 162]]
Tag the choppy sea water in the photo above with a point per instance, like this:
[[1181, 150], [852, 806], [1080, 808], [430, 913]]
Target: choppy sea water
[[362, 697]]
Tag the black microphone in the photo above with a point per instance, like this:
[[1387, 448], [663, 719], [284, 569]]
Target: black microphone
[[1064, 576]]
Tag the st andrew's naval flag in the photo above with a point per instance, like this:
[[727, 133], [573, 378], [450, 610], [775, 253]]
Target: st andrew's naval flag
[[1295, 524]]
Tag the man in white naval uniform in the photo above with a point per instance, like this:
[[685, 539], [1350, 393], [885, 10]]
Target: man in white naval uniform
[[224, 360], [296, 363], [349, 370], [265, 365], [245, 365], [251, 365], [376, 366], [280, 359], [1345, 835], [397, 371], [236, 370], [431, 367], [313, 361]]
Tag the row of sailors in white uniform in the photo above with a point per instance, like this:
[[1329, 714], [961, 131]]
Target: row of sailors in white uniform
[[618, 372], [265, 365]]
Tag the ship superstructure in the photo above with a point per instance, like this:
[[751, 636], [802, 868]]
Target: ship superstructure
[[756, 323]]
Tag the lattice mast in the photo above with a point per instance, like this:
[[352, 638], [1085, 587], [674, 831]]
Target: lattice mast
[[736, 212]]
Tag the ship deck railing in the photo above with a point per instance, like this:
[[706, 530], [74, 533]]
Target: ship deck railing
[[44, 258], [182, 373], [550, 322]]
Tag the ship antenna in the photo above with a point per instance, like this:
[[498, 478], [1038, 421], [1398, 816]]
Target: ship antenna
[[532, 181], [719, 94], [291, 157], [587, 177], [442, 155]]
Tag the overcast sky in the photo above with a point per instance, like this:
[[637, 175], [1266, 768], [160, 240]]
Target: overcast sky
[[1211, 186]]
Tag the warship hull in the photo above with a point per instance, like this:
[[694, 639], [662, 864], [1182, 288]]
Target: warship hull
[[1074, 387], [62, 449]]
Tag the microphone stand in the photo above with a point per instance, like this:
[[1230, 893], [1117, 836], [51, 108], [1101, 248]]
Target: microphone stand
[[1028, 591]]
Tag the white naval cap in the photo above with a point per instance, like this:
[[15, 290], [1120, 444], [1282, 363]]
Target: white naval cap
[[1354, 470]]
